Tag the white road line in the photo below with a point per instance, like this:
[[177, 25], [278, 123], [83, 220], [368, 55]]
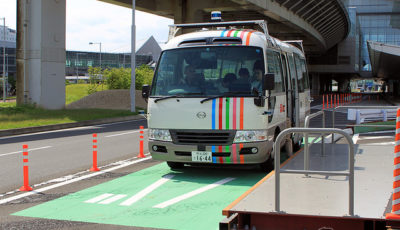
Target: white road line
[[52, 131], [120, 134], [3, 201], [99, 198], [112, 199], [355, 138], [147, 190], [121, 122], [193, 193], [381, 143], [375, 137], [29, 150]]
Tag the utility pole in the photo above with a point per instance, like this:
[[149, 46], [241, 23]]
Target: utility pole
[[133, 58], [4, 60]]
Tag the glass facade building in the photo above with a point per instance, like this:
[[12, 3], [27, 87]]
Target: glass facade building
[[379, 20], [77, 63]]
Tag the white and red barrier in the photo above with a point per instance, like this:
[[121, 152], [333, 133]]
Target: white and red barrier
[[395, 215]]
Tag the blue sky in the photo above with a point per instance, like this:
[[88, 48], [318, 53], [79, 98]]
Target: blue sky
[[95, 21]]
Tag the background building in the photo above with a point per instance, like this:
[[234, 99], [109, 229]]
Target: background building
[[10, 43], [78, 62]]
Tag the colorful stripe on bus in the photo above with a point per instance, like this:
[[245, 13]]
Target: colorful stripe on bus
[[228, 113]]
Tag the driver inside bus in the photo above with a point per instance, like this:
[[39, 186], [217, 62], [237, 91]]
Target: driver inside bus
[[258, 72], [191, 78]]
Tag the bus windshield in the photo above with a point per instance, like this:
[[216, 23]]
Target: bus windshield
[[209, 71]]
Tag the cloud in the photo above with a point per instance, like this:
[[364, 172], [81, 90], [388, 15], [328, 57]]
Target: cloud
[[96, 21]]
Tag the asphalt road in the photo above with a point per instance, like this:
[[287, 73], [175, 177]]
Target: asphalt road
[[59, 153]]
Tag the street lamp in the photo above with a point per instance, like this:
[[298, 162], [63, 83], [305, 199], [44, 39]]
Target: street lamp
[[77, 70], [4, 60], [99, 43]]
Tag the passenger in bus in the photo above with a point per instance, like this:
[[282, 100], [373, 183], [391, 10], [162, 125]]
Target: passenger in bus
[[258, 72], [244, 76], [226, 82]]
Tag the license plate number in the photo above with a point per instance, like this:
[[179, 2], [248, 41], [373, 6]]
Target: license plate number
[[201, 156]]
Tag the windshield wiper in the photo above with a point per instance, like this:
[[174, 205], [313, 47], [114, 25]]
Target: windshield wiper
[[175, 96], [226, 94]]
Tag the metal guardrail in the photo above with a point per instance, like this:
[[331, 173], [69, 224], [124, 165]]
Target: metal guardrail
[[361, 107], [306, 144], [278, 170]]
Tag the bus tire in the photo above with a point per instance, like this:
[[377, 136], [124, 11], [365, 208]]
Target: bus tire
[[268, 165], [175, 165]]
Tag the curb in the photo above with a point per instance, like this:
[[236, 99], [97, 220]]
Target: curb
[[11, 132]]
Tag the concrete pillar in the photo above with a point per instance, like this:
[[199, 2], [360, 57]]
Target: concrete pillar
[[43, 52], [316, 85]]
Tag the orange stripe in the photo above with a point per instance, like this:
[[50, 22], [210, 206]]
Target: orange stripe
[[25, 160], [395, 207], [241, 112], [24, 146], [396, 172], [396, 195], [396, 184], [94, 146], [248, 38], [396, 148], [396, 160], [397, 137], [226, 210], [94, 141], [25, 153], [94, 134], [398, 125]]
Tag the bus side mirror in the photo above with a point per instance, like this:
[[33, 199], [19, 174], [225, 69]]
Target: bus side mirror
[[145, 91], [269, 81]]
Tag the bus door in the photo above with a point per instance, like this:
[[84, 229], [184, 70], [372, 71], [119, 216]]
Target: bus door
[[294, 92], [288, 88]]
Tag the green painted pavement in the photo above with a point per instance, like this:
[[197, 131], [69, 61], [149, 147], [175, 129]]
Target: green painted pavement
[[202, 211]]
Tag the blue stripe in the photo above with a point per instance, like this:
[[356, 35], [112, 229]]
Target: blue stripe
[[213, 149], [214, 160], [222, 34], [214, 103]]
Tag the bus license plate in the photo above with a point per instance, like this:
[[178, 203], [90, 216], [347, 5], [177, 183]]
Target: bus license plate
[[201, 156]]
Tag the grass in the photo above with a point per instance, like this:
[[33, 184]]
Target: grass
[[366, 129], [12, 116], [75, 92]]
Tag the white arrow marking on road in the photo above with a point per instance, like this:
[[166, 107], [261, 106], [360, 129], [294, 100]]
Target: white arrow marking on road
[[99, 198], [147, 190], [112, 199], [29, 150], [193, 193]]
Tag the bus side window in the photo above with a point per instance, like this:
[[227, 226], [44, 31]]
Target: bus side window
[[305, 74], [274, 66], [300, 76]]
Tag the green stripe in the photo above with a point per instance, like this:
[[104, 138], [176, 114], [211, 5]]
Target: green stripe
[[227, 113], [228, 159], [236, 33]]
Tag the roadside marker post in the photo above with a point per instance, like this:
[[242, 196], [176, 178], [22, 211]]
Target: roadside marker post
[[141, 154], [323, 101], [395, 214], [94, 167], [25, 161]]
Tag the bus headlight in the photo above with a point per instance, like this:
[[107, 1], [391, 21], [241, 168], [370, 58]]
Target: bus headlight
[[250, 136], [159, 135]]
